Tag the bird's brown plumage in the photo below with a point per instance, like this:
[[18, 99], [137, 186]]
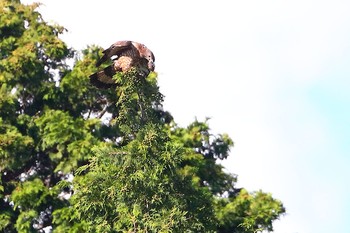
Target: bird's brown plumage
[[129, 54]]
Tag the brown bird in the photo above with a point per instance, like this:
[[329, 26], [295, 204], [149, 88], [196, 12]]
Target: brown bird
[[129, 54]]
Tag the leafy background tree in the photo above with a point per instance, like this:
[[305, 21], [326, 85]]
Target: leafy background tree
[[74, 158]]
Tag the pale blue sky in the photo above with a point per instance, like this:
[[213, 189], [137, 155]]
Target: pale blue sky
[[274, 75]]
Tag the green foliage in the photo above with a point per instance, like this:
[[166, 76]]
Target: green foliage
[[137, 188], [5, 220], [24, 221], [248, 212], [137, 97], [133, 168], [15, 147], [66, 139], [24, 194], [204, 150]]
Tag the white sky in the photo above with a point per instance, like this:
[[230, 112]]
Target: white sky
[[271, 74]]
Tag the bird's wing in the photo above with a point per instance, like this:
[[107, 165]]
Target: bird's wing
[[115, 49], [104, 78]]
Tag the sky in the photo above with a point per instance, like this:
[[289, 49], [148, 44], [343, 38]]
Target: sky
[[272, 74]]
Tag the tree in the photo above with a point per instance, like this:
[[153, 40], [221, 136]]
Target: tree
[[74, 158]]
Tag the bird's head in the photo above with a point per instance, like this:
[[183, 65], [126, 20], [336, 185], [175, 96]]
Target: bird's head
[[151, 65], [150, 58], [146, 54]]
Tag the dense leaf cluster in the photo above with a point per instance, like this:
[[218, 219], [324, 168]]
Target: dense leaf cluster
[[74, 158]]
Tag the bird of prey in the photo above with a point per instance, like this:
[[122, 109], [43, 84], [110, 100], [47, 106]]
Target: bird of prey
[[129, 54]]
